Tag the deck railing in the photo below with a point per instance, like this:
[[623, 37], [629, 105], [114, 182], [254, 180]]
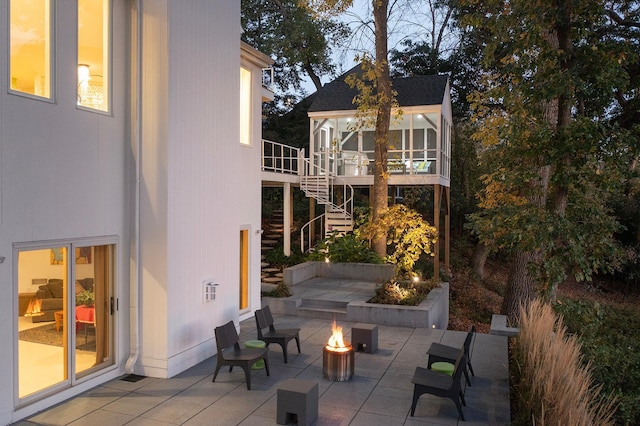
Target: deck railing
[[279, 158]]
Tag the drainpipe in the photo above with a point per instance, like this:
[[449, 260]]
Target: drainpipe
[[134, 324], [286, 223]]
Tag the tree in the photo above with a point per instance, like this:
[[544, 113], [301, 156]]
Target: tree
[[554, 161], [299, 41], [384, 100]]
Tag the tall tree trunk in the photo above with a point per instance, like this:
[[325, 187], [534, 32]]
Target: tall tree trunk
[[521, 286], [383, 118], [478, 259]]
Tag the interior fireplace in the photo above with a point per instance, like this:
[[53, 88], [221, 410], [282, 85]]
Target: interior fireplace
[[338, 358]]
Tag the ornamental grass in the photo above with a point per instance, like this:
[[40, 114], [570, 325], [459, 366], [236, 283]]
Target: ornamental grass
[[553, 386]]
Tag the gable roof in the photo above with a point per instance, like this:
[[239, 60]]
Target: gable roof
[[412, 91]]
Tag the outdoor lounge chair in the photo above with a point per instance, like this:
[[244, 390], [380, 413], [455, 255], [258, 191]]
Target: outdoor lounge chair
[[226, 338], [438, 352], [439, 384], [282, 337]]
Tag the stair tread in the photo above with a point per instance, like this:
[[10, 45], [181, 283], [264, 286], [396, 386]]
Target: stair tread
[[323, 303], [315, 309]]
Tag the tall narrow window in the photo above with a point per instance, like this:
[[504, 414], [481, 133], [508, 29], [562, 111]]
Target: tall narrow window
[[94, 26], [244, 269], [30, 47], [245, 106]]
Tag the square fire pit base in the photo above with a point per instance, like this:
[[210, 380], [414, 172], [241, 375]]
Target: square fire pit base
[[365, 336], [300, 398]]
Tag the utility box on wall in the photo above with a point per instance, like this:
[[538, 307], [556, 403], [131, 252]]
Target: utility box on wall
[[209, 290]]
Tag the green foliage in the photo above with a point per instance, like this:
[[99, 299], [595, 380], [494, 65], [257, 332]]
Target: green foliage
[[86, 298], [610, 339], [276, 257], [345, 248], [281, 290], [408, 236], [553, 157], [407, 293], [299, 40]]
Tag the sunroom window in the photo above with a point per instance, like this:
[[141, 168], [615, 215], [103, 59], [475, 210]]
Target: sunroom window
[[30, 47]]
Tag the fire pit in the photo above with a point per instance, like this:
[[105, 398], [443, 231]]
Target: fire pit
[[337, 357]]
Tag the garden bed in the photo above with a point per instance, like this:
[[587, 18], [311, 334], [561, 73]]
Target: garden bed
[[433, 312]]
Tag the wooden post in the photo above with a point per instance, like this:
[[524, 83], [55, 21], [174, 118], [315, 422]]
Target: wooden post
[[447, 230], [436, 224]]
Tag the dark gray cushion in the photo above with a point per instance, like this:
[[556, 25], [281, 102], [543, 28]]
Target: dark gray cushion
[[44, 292], [56, 288], [86, 283]]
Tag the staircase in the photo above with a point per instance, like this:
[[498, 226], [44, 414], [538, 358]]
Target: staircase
[[271, 276], [337, 197]]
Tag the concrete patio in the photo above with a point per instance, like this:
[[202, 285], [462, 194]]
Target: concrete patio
[[379, 393]]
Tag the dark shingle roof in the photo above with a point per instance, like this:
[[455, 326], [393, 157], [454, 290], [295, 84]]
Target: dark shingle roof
[[412, 91]]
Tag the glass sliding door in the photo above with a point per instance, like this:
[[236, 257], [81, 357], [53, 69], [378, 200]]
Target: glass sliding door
[[42, 338], [93, 307], [65, 316]]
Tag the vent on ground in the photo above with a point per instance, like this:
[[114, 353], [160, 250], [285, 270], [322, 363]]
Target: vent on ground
[[132, 378]]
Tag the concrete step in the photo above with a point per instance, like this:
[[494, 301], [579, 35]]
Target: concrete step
[[323, 309], [322, 313], [324, 303]]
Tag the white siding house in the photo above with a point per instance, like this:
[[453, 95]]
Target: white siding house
[[120, 125]]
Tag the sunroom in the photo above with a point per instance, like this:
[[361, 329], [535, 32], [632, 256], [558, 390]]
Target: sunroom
[[419, 147]]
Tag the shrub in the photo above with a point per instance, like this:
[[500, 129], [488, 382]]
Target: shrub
[[553, 386], [409, 236], [345, 248], [610, 339], [402, 293], [281, 290], [276, 257]]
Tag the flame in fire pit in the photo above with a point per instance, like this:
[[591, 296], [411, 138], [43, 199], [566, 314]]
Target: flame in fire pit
[[336, 341], [337, 357]]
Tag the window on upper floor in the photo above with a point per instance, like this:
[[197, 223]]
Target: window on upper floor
[[30, 47], [245, 106], [94, 64]]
